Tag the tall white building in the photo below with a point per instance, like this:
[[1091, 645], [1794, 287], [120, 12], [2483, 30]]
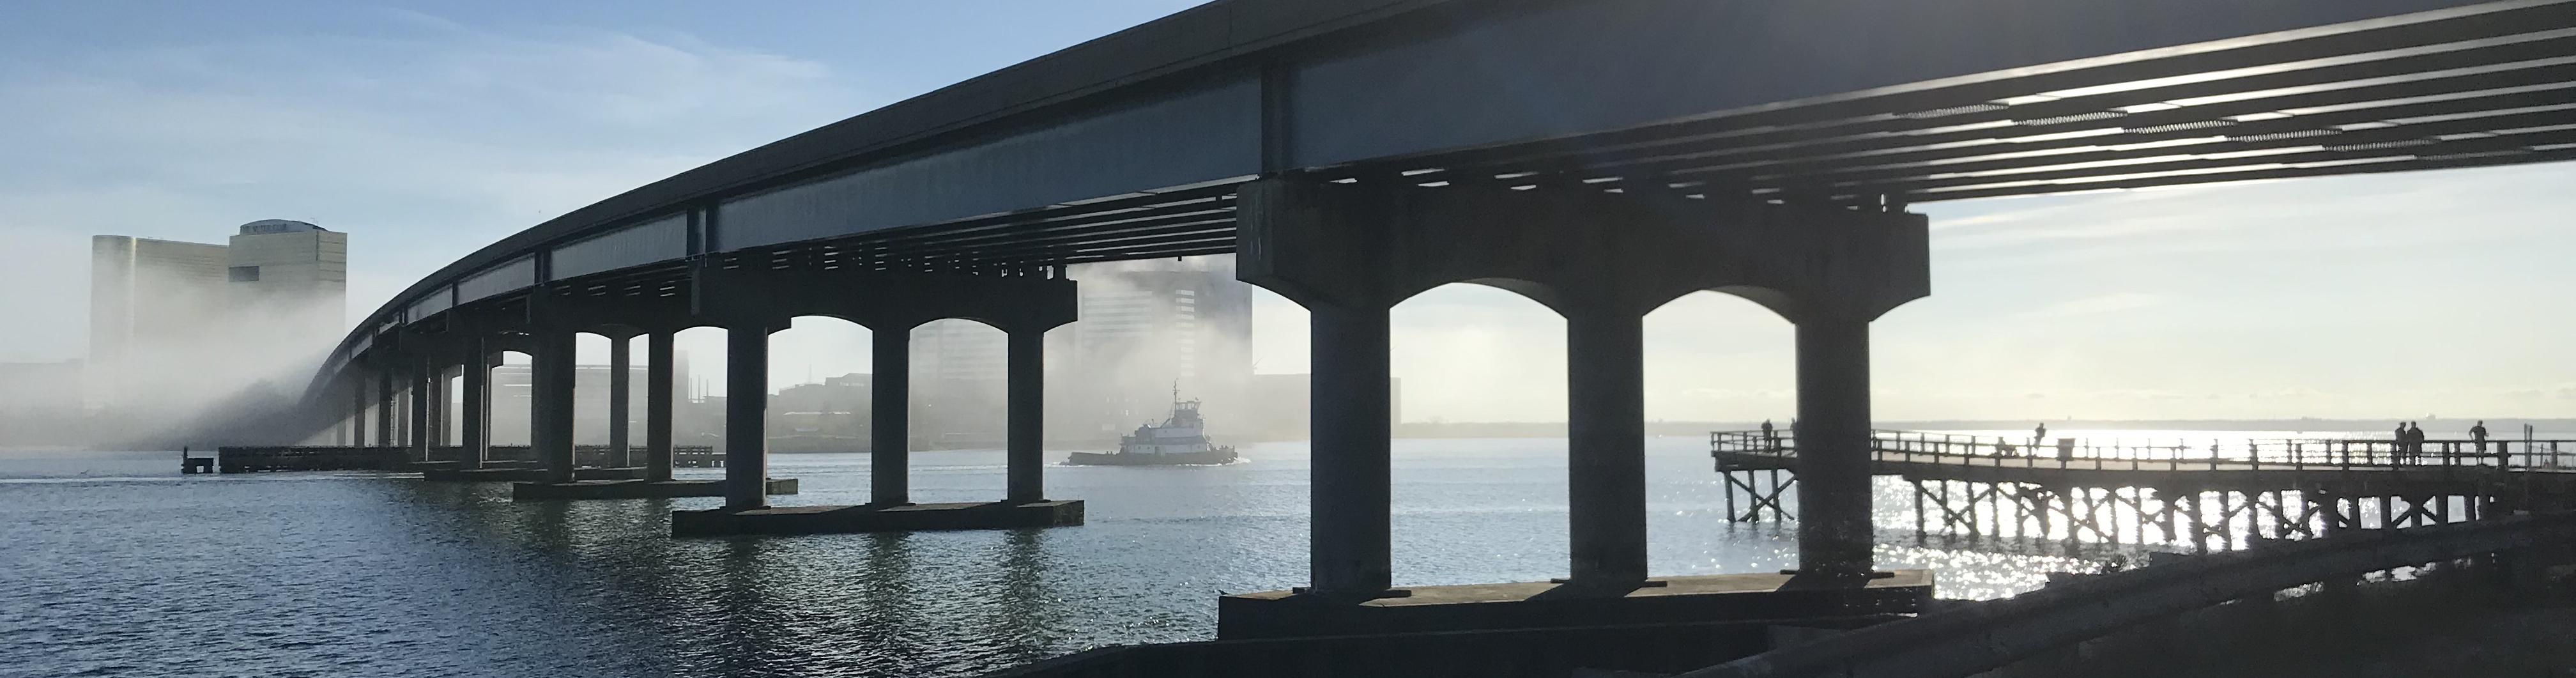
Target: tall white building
[[292, 279], [143, 292], [175, 321]]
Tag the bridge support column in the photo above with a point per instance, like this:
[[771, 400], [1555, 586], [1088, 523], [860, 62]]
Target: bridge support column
[[890, 393], [385, 408], [1023, 304], [475, 405], [618, 400], [1026, 428], [358, 411], [550, 416], [417, 425], [450, 424], [1834, 532], [746, 417], [1352, 421], [657, 406], [1601, 259], [1606, 441]]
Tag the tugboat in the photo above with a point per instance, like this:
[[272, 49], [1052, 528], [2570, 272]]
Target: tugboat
[[1180, 441]]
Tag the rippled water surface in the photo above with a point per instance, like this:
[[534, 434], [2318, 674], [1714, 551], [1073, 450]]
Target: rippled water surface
[[114, 564]]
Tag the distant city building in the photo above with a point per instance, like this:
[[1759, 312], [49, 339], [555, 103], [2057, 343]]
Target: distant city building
[[832, 416], [162, 310], [1147, 327], [293, 274], [957, 385], [512, 403], [144, 291]]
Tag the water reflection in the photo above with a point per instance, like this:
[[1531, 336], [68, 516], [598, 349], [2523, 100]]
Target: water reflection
[[351, 575]]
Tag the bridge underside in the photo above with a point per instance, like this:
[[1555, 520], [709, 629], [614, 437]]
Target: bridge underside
[[2487, 89]]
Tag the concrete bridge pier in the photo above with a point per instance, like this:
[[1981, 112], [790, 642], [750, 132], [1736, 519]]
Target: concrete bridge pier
[[1605, 434], [358, 409], [657, 406], [384, 408], [746, 417], [550, 415], [476, 404], [619, 356], [1834, 531], [1022, 304], [417, 423], [1350, 550], [889, 433], [1602, 257], [1024, 433]]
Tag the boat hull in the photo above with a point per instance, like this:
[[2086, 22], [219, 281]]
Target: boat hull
[[1208, 458]]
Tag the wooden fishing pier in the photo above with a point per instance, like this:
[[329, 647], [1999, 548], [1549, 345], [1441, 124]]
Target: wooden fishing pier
[[2207, 494]]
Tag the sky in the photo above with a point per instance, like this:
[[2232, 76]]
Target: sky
[[429, 130]]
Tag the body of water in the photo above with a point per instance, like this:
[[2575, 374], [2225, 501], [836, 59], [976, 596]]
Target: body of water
[[114, 564]]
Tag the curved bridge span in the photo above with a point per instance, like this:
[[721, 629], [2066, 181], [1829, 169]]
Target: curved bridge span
[[1601, 157], [1130, 146]]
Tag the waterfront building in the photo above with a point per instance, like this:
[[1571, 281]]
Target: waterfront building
[[1146, 327], [168, 318]]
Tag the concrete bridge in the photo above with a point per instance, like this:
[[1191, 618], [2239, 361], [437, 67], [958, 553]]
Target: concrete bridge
[[1600, 157]]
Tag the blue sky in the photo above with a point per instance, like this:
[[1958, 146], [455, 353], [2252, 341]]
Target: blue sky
[[426, 131]]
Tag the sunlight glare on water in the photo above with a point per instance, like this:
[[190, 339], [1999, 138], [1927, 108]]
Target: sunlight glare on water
[[117, 565]]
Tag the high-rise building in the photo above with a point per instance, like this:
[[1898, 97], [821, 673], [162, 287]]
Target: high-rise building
[[144, 291], [1146, 329], [291, 274], [169, 319]]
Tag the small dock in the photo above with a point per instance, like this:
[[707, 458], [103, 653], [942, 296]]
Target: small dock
[[876, 518], [192, 465], [276, 459]]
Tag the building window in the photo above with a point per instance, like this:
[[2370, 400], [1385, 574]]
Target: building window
[[244, 274]]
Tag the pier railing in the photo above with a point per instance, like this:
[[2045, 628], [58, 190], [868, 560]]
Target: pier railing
[[2171, 453]]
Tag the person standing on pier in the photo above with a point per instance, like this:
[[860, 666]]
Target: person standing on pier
[[2039, 434], [1770, 437], [2414, 440], [2478, 437], [2397, 443]]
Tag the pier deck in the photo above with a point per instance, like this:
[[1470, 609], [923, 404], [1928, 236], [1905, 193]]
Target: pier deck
[[2351, 467], [2188, 493]]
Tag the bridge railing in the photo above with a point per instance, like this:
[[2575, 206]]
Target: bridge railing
[[2175, 453], [1984, 636]]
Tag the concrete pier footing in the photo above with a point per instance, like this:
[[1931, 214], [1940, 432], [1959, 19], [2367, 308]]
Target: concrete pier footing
[[639, 488], [1661, 600], [875, 518], [524, 474]]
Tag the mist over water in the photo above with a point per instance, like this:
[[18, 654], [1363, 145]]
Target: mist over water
[[227, 372]]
